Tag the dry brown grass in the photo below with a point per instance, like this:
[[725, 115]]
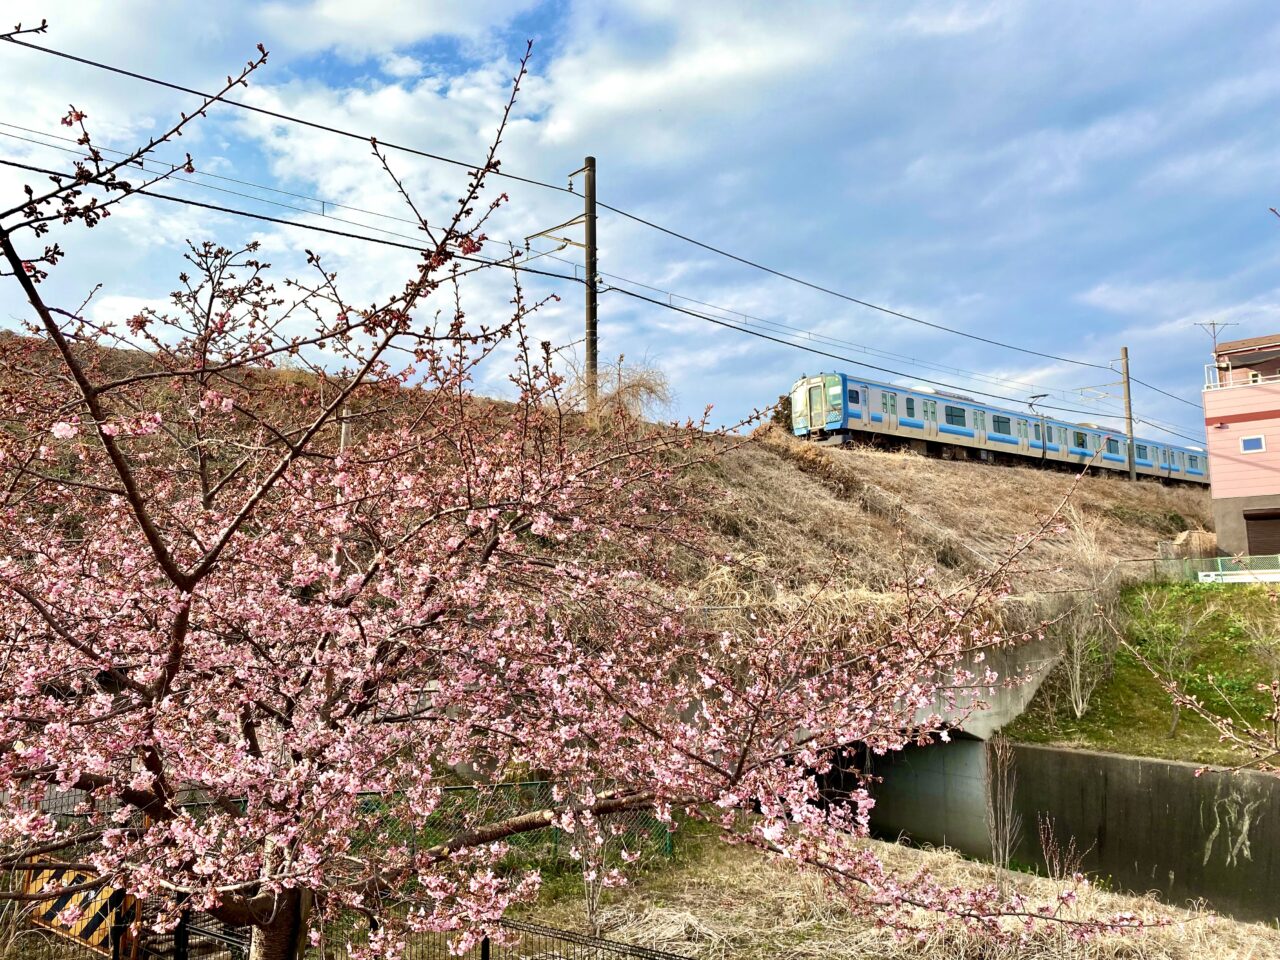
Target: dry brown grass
[[733, 903], [885, 513]]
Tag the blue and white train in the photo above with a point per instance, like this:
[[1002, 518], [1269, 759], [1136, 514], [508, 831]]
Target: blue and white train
[[836, 407]]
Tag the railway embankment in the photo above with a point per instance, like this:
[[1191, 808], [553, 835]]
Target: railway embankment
[[1114, 782]]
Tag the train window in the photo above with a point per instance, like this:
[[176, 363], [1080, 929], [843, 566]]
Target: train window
[[1036, 428], [979, 419], [954, 415], [1079, 440], [1140, 451], [1000, 425], [911, 406], [1193, 462], [1113, 445], [931, 410], [1253, 444], [888, 402], [854, 399]]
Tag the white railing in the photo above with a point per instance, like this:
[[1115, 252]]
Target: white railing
[[1213, 377]]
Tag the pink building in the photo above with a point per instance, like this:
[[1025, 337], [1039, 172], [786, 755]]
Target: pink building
[[1242, 426]]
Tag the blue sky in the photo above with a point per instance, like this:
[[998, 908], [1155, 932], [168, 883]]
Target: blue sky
[[1067, 177]]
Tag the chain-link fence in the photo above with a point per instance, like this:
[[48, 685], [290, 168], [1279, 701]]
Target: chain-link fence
[[1259, 569]]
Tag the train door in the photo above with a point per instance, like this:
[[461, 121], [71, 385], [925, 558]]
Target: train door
[[929, 414], [980, 428], [889, 410], [856, 397], [1024, 437], [816, 407]]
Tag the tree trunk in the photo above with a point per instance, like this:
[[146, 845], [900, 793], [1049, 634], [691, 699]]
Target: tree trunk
[[284, 938]]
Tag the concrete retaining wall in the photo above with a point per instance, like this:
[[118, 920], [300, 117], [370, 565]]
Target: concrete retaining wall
[[1148, 824]]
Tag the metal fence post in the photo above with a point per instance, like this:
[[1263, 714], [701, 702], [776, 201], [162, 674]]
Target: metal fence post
[[484, 949], [182, 937]]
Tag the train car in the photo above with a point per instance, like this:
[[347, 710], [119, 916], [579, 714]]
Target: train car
[[837, 407]]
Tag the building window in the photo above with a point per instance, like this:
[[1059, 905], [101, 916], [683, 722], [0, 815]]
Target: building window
[[1000, 425], [1113, 445], [1253, 444], [955, 416], [1079, 440], [1140, 451], [911, 406], [854, 399]]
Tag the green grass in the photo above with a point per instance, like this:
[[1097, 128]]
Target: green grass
[[1130, 711]]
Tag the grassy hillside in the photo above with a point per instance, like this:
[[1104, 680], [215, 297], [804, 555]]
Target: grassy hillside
[[1231, 635]]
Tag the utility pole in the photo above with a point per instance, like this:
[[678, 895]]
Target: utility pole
[[1128, 410], [588, 220], [589, 229]]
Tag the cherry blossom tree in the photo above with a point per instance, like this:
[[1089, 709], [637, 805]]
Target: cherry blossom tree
[[264, 555]]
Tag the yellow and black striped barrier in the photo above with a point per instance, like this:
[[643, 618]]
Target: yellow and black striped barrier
[[98, 918]]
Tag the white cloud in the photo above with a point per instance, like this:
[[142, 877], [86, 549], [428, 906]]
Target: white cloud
[[402, 67], [372, 26]]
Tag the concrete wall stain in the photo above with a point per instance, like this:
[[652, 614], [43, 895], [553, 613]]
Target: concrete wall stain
[[1148, 824]]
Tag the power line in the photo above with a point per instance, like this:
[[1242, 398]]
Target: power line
[[844, 296], [835, 356], [524, 269], [316, 228], [1171, 396], [288, 118], [747, 318], [202, 173]]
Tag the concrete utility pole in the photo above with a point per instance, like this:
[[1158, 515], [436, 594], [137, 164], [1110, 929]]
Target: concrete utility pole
[[589, 229], [1128, 410]]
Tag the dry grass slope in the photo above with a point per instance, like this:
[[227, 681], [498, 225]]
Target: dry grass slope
[[733, 903], [887, 514]]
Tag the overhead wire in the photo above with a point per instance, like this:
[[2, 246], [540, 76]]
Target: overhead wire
[[413, 151], [338, 131], [324, 204], [277, 115], [824, 353], [525, 269], [316, 228]]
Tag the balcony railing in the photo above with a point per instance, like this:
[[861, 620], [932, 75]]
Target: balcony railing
[[1234, 377]]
